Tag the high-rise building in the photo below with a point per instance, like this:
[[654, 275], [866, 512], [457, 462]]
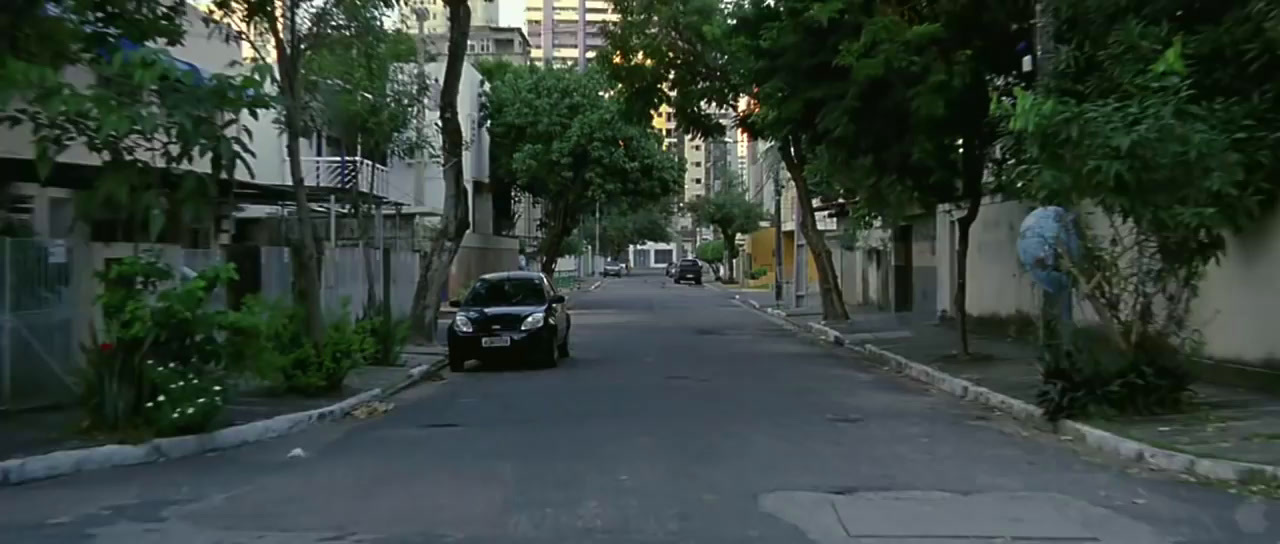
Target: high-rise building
[[483, 13], [487, 39], [559, 32]]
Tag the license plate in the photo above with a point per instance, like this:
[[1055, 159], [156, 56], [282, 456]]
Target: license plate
[[495, 341]]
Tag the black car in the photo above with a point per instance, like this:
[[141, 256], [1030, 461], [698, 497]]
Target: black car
[[689, 270], [509, 315]]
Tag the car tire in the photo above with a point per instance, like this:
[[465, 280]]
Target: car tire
[[551, 359], [456, 363], [563, 349], [697, 282]]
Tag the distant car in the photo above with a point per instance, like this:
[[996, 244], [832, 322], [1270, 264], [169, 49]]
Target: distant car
[[689, 270], [612, 268], [671, 269], [510, 315]]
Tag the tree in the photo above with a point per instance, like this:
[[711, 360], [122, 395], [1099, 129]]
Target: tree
[[911, 113], [151, 120], [731, 212], [1161, 116], [620, 229], [571, 146], [455, 219], [361, 94], [699, 56], [287, 32]]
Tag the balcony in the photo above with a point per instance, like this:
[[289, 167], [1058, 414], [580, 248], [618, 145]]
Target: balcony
[[347, 173]]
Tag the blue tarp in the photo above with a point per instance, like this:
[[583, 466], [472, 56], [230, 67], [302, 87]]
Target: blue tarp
[[200, 75]]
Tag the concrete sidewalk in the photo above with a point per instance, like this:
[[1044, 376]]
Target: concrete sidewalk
[[1225, 422]]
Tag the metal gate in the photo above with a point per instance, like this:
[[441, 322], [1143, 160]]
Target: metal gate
[[37, 316]]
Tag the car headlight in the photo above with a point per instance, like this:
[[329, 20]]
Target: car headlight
[[462, 324], [533, 321]]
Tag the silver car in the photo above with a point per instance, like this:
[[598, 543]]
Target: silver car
[[611, 268]]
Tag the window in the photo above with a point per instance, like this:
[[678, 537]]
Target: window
[[697, 181], [506, 292], [697, 147], [662, 256], [697, 164]]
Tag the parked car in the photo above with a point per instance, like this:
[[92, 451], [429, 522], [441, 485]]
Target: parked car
[[510, 315], [671, 269], [689, 270], [611, 268]]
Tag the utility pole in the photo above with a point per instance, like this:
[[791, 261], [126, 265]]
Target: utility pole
[[548, 31], [420, 155], [582, 37], [777, 233]]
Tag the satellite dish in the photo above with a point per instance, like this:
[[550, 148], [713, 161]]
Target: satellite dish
[[1045, 233]]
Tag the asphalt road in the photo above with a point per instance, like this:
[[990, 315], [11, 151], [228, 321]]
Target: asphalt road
[[680, 418]]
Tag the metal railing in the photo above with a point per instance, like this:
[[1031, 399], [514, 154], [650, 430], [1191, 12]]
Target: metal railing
[[37, 323], [346, 173]]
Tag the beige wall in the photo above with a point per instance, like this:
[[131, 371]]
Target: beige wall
[[1235, 312], [481, 254]]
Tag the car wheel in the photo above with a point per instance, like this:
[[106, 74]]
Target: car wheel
[[456, 363], [697, 282], [550, 359], [563, 349]]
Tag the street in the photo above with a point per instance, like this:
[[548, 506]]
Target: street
[[681, 417]]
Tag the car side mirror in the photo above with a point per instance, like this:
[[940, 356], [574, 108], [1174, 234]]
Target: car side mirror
[[455, 303], [557, 299]]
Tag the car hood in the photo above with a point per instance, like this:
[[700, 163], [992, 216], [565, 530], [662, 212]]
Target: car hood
[[501, 311]]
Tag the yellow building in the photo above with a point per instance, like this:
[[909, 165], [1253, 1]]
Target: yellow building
[[560, 31]]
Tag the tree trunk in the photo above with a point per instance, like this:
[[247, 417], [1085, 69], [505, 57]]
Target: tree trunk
[[306, 269], [973, 168], [455, 221], [962, 265], [362, 222], [833, 308], [730, 253]]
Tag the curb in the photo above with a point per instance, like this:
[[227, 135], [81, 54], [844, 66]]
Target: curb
[[1098, 439], [62, 463]]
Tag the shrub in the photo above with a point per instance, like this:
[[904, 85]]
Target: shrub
[[1096, 378], [758, 272], [161, 349], [389, 337], [273, 337], [317, 371]]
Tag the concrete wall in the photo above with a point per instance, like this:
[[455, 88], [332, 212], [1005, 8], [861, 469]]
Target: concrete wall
[[481, 254], [1235, 312], [759, 254]]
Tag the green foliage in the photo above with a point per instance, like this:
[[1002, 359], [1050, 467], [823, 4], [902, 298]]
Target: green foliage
[[148, 120], [362, 89], [389, 337], [711, 251], [757, 273], [160, 364], [273, 335], [620, 228], [731, 212], [1097, 378], [1160, 116], [569, 145]]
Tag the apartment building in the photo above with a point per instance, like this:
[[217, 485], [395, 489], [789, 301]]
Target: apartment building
[[489, 39], [553, 26]]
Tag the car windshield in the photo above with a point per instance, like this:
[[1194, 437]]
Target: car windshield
[[689, 262], [506, 292]]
